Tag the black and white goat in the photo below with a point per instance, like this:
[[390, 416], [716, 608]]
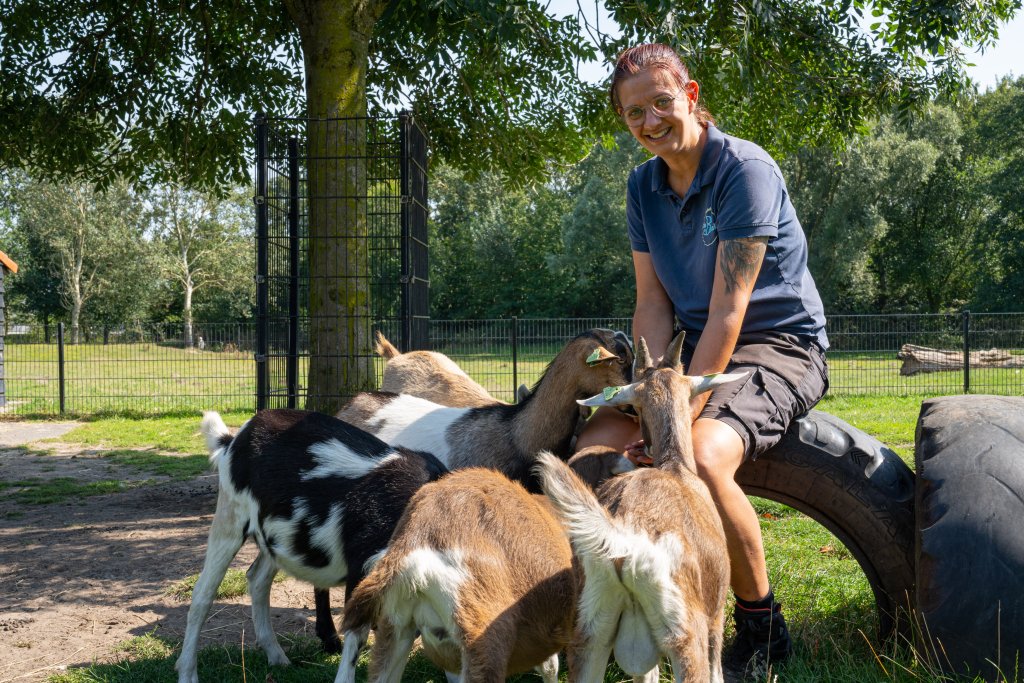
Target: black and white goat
[[320, 498], [503, 437], [650, 544]]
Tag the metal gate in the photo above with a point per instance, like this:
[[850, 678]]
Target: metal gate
[[341, 252]]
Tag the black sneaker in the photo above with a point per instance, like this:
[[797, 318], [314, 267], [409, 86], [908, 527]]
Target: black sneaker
[[762, 640]]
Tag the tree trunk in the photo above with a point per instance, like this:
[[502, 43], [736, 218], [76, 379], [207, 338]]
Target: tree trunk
[[335, 38], [186, 315], [76, 313]]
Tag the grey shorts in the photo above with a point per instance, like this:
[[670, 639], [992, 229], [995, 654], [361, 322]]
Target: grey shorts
[[788, 376]]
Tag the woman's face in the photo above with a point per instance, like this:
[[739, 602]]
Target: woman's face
[[660, 113]]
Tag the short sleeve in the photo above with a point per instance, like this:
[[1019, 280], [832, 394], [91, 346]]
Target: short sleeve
[[750, 201], [634, 215]]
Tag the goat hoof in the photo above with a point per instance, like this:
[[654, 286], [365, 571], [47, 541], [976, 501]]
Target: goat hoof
[[331, 644]]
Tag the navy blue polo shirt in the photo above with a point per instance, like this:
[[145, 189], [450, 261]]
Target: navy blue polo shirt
[[738, 191]]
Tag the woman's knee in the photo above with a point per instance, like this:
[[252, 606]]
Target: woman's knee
[[718, 451]]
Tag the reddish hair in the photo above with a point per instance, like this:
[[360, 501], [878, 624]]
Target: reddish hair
[[653, 56]]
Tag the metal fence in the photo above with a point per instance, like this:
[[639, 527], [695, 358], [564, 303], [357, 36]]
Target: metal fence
[[148, 369], [341, 238]]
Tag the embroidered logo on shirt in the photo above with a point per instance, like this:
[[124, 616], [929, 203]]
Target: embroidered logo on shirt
[[710, 234]]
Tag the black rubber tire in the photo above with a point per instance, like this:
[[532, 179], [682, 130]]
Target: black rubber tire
[[970, 545], [858, 489]]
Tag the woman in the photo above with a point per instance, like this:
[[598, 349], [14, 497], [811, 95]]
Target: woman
[[717, 247]]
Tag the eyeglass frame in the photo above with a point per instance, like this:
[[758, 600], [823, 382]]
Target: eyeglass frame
[[653, 107]]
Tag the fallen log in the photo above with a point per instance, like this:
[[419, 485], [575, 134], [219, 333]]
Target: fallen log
[[918, 359]]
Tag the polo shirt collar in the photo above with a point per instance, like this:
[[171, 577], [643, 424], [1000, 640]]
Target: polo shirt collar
[[714, 143]]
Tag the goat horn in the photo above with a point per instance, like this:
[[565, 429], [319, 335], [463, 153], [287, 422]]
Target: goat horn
[[709, 382], [673, 356], [612, 396], [642, 361]]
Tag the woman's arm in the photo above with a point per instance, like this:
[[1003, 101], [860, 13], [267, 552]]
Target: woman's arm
[[654, 314], [737, 265]]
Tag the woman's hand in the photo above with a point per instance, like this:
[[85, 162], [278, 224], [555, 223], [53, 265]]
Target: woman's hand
[[636, 453]]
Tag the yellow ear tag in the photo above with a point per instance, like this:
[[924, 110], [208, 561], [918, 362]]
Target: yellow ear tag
[[594, 358], [609, 392]]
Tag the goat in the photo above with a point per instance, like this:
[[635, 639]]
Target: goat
[[650, 544], [435, 377], [426, 374], [430, 375], [482, 570], [319, 496], [503, 437]]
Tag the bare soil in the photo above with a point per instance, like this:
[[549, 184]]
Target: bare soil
[[79, 577]]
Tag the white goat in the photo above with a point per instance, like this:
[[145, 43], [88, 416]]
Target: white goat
[[482, 570], [650, 544], [319, 496]]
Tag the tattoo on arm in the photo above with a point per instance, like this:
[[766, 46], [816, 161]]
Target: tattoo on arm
[[740, 261]]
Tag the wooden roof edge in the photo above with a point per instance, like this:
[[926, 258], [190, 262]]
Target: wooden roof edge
[[8, 263]]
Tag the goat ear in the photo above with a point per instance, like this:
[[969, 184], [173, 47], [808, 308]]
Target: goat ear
[[709, 382], [600, 355], [612, 396], [522, 393], [673, 355]]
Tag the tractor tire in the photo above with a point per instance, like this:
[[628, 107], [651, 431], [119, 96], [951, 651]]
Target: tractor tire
[[969, 545], [855, 487]]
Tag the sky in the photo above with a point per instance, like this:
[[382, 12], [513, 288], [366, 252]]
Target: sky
[[1006, 57]]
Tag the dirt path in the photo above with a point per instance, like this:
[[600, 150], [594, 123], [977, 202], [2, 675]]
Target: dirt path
[[78, 578]]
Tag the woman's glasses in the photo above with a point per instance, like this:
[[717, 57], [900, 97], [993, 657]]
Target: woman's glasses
[[635, 116]]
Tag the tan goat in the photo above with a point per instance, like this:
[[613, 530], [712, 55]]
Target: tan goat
[[430, 375], [650, 545], [482, 569]]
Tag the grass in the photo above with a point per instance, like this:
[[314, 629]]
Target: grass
[[232, 586], [827, 598]]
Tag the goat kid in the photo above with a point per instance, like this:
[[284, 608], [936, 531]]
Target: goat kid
[[503, 437], [429, 375], [436, 378], [319, 496], [650, 544], [482, 570]]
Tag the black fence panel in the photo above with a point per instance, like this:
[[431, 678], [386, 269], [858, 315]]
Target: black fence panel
[[136, 368], [142, 368], [342, 253]]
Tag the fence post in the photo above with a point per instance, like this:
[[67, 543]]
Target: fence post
[[262, 262], [515, 358], [967, 351], [60, 364], [292, 370]]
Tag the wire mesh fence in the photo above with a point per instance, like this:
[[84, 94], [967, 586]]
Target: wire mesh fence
[[149, 369]]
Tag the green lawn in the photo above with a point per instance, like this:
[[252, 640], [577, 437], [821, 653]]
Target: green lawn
[[827, 599]]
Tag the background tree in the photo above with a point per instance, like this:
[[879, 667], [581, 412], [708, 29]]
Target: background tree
[[596, 260], [90, 242], [996, 141], [143, 89], [203, 243]]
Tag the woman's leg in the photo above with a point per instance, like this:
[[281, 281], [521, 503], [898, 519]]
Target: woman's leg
[[718, 451], [608, 427]]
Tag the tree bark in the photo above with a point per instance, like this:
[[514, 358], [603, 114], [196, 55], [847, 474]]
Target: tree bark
[[335, 37]]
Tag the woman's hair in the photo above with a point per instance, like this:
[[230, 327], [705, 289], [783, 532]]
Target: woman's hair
[[653, 56]]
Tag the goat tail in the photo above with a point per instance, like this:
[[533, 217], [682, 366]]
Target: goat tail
[[217, 434], [384, 348], [589, 526]]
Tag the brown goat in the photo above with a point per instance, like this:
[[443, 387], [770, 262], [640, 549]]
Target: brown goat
[[650, 544], [430, 375], [482, 570]]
